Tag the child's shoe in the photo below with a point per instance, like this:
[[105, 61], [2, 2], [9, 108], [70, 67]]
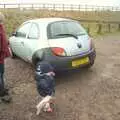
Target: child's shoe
[[6, 99]]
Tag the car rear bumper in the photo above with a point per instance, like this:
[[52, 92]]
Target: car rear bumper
[[65, 63]]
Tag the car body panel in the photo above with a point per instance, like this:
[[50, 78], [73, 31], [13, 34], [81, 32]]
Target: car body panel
[[17, 46], [65, 63], [70, 44]]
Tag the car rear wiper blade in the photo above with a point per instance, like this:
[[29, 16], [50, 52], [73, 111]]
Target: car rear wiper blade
[[71, 35], [81, 33]]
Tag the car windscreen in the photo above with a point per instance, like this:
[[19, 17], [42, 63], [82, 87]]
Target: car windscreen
[[61, 29]]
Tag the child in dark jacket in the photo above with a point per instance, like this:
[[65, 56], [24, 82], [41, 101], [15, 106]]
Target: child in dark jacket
[[44, 76]]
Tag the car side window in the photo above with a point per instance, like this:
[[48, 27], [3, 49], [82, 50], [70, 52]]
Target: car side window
[[34, 32], [23, 30]]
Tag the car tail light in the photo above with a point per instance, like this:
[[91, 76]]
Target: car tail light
[[58, 51]]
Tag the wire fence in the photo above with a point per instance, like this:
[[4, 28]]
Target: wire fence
[[96, 19], [61, 7]]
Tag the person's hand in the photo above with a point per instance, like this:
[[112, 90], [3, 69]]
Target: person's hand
[[51, 73]]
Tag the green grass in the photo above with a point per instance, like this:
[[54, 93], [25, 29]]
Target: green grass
[[14, 17]]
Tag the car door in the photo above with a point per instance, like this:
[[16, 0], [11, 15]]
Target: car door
[[18, 45], [31, 42]]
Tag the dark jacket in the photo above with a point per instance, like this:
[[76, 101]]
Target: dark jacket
[[4, 50], [45, 83]]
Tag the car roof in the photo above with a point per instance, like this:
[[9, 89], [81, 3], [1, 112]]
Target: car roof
[[49, 20]]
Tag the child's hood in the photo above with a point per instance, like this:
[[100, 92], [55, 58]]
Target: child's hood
[[44, 67]]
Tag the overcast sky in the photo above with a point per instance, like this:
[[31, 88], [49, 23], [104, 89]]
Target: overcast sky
[[89, 2]]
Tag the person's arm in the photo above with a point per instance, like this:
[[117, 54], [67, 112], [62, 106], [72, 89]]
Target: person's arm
[[50, 73], [38, 72], [4, 42], [0, 44]]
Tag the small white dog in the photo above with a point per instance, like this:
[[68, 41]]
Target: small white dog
[[44, 105]]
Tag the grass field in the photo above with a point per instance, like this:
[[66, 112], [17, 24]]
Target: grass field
[[14, 17]]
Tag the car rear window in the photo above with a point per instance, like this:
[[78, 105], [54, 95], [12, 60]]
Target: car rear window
[[61, 28]]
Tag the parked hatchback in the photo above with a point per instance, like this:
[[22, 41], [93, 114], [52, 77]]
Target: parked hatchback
[[62, 42]]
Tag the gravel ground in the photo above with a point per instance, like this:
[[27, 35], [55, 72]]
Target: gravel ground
[[92, 94]]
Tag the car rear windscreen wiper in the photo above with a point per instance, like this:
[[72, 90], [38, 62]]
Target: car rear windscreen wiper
[[71, 35], [82, 34]]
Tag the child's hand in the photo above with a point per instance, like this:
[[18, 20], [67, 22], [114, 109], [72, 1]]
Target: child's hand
[[51, 73]]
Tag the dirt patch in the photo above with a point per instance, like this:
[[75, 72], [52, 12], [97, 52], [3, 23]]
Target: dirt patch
[[92, 94]]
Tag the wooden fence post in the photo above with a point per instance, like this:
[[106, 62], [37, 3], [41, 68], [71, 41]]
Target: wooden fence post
[[86, 8], [99, 28], [118, 27], [63, 7], [88, 29], [32, 6], [109, 27], [43, 6], [79, 7], [54, 7], [71, 7], [19, 6], [4, 6]]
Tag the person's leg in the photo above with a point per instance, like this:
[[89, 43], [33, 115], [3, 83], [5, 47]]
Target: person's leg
[[4, 95], [1, 80]]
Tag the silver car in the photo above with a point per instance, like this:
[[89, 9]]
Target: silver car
[[62, 42]]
